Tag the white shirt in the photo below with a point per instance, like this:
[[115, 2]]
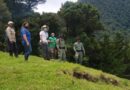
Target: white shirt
[[43, 36]]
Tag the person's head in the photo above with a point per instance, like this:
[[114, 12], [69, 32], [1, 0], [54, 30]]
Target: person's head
[[45, 28], [10, 23], [25, 24], [52, 34], [61, 36], [78, 39]]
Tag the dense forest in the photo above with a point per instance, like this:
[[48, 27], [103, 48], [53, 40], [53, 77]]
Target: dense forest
[[115, 14], [107, 49]]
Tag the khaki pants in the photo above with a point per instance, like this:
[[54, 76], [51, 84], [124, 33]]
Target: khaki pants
[[62, 54], [79, 57], [52, 52]]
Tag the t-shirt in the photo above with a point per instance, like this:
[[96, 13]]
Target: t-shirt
[[44, 36], [52, 43], [61, 43], [25, 31]]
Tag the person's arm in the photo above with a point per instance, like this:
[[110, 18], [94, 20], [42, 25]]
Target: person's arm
[[74, 48], [23, 32], [25, 39]]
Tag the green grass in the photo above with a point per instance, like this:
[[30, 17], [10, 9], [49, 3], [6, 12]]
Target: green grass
[[38, 74]]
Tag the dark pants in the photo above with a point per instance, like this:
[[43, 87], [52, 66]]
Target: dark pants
[[45, 51], [27, 51], [12, 48]]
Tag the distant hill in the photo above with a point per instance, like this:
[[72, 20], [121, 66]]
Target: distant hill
[[38, 74], [114, 13]]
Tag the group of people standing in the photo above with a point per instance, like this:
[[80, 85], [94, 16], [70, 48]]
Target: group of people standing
[[51, 46]]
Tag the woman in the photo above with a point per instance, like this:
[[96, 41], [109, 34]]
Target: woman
[[10, 32], [26, 40]]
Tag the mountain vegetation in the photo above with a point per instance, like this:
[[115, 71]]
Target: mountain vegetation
[[115, 14]]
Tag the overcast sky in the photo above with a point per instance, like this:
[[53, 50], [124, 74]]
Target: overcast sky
[[51, 6]]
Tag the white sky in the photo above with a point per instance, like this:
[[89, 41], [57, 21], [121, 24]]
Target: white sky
[[51, 6]]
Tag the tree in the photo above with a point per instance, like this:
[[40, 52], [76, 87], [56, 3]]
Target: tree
[[108, 51], [4, 13], [22, 8], [80, 18], [4, 17], [115, 15]]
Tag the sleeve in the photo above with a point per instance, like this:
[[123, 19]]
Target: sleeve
[[23, 32], [74, 47], [49, 38]]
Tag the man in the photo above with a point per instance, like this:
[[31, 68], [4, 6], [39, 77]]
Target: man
[[26, 40], [10, 32], [52, 45], [79, 50], [44, 41], [61, 46]]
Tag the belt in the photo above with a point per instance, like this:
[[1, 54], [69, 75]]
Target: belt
[[61, 47], [79, 50]]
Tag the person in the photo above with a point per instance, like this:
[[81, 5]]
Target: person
[[11, 39], [52, 45], [79, 50], [26, 40], [61, 46], [44, 41]]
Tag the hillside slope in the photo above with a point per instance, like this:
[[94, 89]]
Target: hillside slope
[[38, 74], [115, 14]]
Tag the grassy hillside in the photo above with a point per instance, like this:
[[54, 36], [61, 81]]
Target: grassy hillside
[[38, 74]]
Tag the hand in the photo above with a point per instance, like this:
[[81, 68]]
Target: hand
[[48, 41], [28, 44], [11, 42]]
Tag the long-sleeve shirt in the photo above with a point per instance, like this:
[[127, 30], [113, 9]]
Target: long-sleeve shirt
[[43, 37], [10, 32], [78, 46]]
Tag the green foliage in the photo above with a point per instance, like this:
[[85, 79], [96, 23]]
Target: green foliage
[[108, 51], [22, 8], [115, 14], [38, 74], [80, 18], [4, 17]]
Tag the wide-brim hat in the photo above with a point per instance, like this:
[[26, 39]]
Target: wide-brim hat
[[44, 26], [10, 22]]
